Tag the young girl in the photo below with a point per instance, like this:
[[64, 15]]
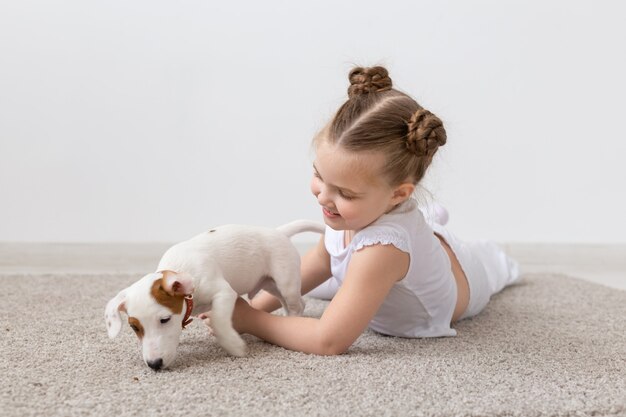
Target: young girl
[[392, 270]]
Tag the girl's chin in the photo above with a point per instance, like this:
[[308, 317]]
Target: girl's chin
[[334, 223]]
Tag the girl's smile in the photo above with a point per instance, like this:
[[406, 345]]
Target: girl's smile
[[329, 213]]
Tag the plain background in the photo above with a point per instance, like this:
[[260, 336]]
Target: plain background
[[143, 120]]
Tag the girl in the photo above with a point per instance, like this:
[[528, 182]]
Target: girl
[[391, 269]]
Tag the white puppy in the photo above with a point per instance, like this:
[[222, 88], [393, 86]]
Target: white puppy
[[217, 267]]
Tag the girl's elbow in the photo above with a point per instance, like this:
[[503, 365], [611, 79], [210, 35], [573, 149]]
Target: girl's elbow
[[330, 347], [334, 351]]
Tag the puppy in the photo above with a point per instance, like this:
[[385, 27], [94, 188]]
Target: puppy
[[216, 267]]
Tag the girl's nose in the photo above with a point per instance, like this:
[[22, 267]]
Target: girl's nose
[[322, 196]]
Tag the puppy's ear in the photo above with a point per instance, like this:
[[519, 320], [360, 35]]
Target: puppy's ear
[[177, 283], [112, 316]]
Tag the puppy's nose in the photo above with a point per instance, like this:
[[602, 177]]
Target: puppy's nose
[[156, 365]]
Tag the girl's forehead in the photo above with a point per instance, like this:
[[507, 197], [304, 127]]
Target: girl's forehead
[[335, 161]]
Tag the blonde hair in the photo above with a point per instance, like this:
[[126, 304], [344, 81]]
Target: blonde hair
[[377, 117]]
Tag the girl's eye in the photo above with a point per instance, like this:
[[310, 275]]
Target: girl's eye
[[165, 320], [345, 196]]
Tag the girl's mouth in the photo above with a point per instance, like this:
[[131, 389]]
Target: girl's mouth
[[329, 213]]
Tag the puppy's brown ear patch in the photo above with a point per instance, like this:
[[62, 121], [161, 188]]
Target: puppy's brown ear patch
[[172, 301]]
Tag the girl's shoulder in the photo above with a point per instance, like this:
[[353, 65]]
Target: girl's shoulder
[[381, 234], [397, 228]]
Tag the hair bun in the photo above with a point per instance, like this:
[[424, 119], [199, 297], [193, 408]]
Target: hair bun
[[368, 80], [426, 133]]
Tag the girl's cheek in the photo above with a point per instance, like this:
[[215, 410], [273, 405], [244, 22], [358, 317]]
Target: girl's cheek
[[344, 210]]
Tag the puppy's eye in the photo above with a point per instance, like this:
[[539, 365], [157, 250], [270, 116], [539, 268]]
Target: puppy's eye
[[135, 329], [165, 320]]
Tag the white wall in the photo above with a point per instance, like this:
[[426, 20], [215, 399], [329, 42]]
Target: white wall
[[153, 120]]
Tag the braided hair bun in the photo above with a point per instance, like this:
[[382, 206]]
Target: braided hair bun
[[426, 133], [379, 118], [368, 80]]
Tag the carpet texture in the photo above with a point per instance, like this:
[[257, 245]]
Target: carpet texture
[[549, 346]]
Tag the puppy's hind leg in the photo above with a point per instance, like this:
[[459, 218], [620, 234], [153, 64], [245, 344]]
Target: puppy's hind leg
[[222, 325], [291, 301], [287, 288]]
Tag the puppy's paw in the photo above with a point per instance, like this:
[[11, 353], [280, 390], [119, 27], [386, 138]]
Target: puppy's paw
[[235, 346]]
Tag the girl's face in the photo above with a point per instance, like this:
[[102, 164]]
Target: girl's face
[[350, 188]]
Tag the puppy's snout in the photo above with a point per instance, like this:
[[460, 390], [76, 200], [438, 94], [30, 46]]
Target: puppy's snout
[[156, 364]]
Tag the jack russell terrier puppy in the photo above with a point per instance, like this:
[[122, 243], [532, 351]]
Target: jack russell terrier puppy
[[216, 267]]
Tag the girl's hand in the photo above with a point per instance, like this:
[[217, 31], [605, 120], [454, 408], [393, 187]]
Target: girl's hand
[[241, 314]]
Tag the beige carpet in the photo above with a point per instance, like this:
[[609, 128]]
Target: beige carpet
[[550, 346]]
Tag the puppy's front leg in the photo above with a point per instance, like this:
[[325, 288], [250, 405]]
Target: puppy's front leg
[[222, 323]]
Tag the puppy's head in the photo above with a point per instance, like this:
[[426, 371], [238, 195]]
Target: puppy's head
[[155, 306]]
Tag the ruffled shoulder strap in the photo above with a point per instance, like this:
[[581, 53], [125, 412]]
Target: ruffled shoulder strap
[[387, 234]]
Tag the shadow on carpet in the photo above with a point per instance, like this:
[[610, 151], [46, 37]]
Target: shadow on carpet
[[549, 346]]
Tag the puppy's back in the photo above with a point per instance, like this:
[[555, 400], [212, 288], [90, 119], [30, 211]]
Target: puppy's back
[[243, 253]]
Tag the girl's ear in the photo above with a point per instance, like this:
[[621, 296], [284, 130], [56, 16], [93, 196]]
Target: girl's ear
[[402, 193]]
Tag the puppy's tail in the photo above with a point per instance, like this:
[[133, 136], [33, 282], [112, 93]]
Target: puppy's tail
[[299, 226]]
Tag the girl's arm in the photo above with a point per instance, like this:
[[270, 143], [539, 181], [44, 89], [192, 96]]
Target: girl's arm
[[314, 269], [370, 276]]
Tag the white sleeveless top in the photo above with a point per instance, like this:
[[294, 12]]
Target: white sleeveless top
[[423, 302]]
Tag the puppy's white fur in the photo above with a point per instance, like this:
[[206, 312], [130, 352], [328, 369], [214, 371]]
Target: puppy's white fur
[[217, 267]]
